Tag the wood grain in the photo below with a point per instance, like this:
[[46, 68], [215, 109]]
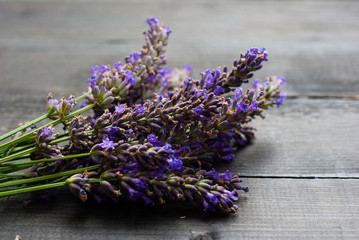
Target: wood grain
[[312, 43], [273, 209], [304, 138], [51, 46]]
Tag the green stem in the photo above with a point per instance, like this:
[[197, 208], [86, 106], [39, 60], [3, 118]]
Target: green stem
[[36, 120], [31, 162], [47, 177], [82, 97], [53, 123], [11, 176], [19, 154], [31, 189], [62, 134], [12, 169], [17, 149], [9, 134]]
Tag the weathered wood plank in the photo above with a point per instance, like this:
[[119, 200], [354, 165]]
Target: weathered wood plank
[[305, 137], [273, 209], [312, 43]]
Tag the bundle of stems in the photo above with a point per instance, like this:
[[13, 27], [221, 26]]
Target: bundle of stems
[[143, 132]]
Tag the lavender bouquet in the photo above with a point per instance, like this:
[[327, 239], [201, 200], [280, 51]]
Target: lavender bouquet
[[154, 134]]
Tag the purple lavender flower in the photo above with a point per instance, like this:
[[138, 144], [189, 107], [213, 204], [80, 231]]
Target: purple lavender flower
[[279, 101], [218, 90], [153, 140], [212, 174], [133, 58], [117, 66], [46, 132], [152, 22], [241, 108], [92, 81], [166, 30], [83, 104], [168, 148], [176, 163], [92, 122], [258, 85], [281, 80], [112, 133], [253, 107], [106, 143], [151, 78], [227, 176], [129, 77], [99, 70], [120, 109], [261, 53], [139, 110], [238, 92], [199, 92], [198, 110], [51, 102]]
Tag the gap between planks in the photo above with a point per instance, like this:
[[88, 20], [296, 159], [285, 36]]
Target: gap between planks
[[298, 177], [304, 96]]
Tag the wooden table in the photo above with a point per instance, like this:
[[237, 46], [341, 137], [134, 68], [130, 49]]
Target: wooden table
[[303, 168]]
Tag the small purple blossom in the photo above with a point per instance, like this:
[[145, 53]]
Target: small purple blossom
[[92, 122], [210, 80], [168, 148], [279, 101], [218, 90], [129, 77], [263, 54], [139, 110], [212, 174], [225, 176], [253, 107], [164, 73], [106, 143], [281, 80], [199, 92], [167, 30], [99, 69], [152, 22], [92, 81], [238, 92], [117, 66], [198, 110], [112, 133], [51, 103], [241, 108], [151, 78], [153, 140], [176, 163], [133, 58], [120, 109], [258, 85], [46, 132], [258, 53]]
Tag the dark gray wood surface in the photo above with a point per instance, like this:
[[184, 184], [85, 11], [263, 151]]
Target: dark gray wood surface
[[302, 169]]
